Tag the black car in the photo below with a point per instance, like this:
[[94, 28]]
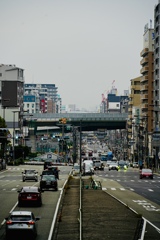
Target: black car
[[51, 171], [48, 182]]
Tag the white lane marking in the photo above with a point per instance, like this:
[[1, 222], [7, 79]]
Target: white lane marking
[[9, 183], [118, 180], [150, 190], [131, 189], [132, 180], [148, 206], [123, 189], [104, 188], [13, 189], [113, 189]]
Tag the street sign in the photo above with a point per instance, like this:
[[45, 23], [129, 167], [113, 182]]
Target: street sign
[[49, 155]]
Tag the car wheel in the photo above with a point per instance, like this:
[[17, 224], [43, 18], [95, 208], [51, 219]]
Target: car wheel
[[23, 180], [7, 236], [40, 204]]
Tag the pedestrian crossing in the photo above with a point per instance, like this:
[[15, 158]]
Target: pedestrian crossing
[[122, 189]]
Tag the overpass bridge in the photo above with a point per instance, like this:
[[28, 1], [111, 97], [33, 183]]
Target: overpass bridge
[[88, 121]]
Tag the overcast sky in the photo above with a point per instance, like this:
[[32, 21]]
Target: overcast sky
[[82, 46]]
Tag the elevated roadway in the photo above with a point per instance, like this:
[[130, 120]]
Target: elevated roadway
[[88, 121]]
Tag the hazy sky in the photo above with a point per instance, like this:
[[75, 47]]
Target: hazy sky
[[82, 46]]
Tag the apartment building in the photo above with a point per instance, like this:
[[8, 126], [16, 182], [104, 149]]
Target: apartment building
[[11, 96], [133, 104], [147, 71], [49, 101], [156, 85]]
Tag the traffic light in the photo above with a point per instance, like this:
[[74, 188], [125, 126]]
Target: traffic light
[[63, 120], [3, 132]]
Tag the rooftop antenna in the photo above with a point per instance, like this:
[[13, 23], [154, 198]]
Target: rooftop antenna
[[150, 23]]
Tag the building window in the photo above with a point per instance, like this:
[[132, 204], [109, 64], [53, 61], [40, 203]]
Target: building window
[[32, 105], [0, 74], [27, 105]]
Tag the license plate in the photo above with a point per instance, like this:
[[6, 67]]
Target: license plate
[[48, 183], [29, 197]]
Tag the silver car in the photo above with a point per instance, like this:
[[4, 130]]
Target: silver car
[[21, 225], [30, 175]]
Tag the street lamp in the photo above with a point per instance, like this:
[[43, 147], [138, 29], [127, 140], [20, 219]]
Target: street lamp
[[14, 135]]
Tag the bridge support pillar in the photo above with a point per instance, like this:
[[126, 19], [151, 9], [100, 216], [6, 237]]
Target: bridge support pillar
[[33, 143]]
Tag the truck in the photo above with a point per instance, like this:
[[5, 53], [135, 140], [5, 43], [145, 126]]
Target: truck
[[87, 168]]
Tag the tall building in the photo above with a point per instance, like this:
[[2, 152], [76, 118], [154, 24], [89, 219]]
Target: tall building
[[147, 71], [156, 102], [11, 96], [49, 100], [133, 104]]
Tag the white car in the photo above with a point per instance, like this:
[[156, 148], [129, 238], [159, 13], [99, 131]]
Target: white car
[[113, 166], [135, 165]]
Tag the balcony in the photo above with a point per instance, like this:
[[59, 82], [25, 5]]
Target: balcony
[[144, 78], [144, 106], [131, 95], [144, 60], [144, 87], [144, 52], [156, 55], [144, 70], [144, 96], [157, 45], [130, 102]]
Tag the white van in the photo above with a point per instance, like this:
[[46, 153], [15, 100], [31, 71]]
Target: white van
[[88, 168]]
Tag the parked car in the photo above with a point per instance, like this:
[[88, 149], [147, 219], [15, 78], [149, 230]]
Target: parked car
[[21, 225], [135, 165], [113, 166], [29, 195], [146, 173], [30, 175], [48, 182]]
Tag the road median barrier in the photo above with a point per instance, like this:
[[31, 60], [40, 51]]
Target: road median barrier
[[92, 184]]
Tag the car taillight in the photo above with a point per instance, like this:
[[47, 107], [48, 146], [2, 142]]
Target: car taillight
[[31, 222], [9, 222], [38, 195]]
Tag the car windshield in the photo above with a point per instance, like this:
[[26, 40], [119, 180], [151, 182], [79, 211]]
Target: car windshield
[[146, 170], [76, 167], [50, 172], [20, 218], [29, 171], [48, 177], [29, 189]]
